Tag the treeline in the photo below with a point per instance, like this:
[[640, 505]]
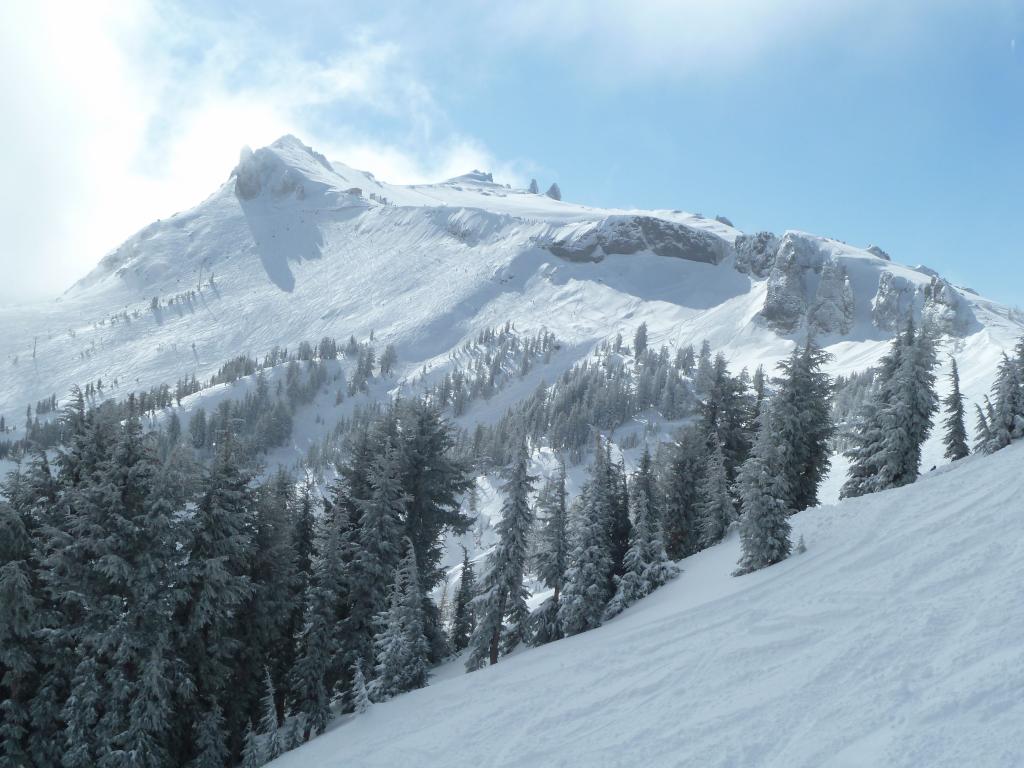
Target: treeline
[[599, 395], [752, 459], [261, 420], [157, 612], [494, 357]]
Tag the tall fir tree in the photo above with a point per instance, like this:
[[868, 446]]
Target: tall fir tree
[[764, 526], [955, 436], [802, 413], [679, 491], [215, 586], [896, 419], [647, 565], [1007, 423], [315, 674], [503, 595], [403, 652], [588, 580], [434, 479], [373, 568], [360, 695], [551, 554], [269, 728], [716, 508], [463, 619]]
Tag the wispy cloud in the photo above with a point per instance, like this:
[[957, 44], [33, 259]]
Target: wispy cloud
[[124, 113]]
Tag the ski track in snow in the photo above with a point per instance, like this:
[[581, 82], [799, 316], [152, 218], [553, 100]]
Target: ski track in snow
[[894, 640]]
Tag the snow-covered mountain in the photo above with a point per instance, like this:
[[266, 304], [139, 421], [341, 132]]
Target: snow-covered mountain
[[893, 640], [293, 247]]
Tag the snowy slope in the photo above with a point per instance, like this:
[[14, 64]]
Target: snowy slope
[[300, 247], [895, 640]]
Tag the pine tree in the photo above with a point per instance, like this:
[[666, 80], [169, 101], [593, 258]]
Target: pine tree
[[647, 565], [588, 580], [215, 584], [896, 419], [402, 647], [955, 438], [252, 751], [764, 527], [360, 697], [503, 595], [716, 508], [802, 413], [314, 675], [463, 621], [208, 729], [379, 537], [435, 480], [1008, 405], [679, 492], [551, 555], [983, 428], [269, 729], [640, 342]]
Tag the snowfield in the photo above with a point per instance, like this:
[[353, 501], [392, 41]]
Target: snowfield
[[894, 640], [300, 248]]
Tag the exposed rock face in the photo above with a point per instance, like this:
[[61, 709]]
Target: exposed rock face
[[946, 309], [755, 254], [797, 260], [632, 234], [833, 307], [893, 302]]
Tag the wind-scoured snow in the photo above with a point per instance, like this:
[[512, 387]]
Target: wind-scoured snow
[[299, 248], [894, 640]]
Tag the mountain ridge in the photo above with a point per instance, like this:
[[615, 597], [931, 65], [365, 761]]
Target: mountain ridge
[[293, 247]]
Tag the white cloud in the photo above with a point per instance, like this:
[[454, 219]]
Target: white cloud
[[120, 114]]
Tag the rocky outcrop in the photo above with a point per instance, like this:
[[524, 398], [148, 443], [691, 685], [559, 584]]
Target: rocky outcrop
[[632, 234], [946, 309], [833, 307], [755, 254], [797, 260]]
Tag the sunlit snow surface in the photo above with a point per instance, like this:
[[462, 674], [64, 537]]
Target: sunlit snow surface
[[894, 640]]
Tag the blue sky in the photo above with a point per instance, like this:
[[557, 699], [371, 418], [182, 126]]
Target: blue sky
[[896, 126]]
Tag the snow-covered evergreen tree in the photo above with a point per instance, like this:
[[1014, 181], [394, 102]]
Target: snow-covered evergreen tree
[[381, 515], [252, 750], [764, 526], [402, 649], [502, 599], [215, 581], [640, 342], [314, 675], [463, 620], [681, 467], [360, 696], [208, 732], [955, 436], [716, 508], [551, 554], [269, 728], [588, 580], [647, 565], [1007, 404], [802, 413], [897, 417]]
